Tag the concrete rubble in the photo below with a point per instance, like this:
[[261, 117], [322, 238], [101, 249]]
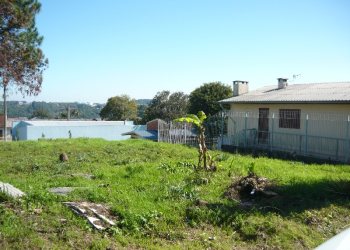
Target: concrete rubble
[[61, 190]]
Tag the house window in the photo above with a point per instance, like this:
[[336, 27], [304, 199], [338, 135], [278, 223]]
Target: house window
[[289, 118]]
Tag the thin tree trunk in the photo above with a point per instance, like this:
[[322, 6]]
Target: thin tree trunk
[[204, 148], [5, 114]]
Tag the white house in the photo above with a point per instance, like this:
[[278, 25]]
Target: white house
[[307, 119]]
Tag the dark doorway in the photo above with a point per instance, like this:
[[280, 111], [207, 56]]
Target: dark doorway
[[263, 129]]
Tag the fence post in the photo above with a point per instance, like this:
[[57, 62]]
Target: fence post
[[245, 129], [306, 132], [337, 150], [222, 129], [272, 131], [185, 126], [159, 132], [348, 140]]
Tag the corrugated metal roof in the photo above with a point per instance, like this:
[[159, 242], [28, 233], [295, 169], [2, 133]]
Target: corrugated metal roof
[[337, 92], [140, 127], [147, 134], [47, 123]]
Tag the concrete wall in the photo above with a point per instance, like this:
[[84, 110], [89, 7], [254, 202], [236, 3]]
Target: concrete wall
[[24, 131]]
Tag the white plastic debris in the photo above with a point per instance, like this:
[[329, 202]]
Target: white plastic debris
[[10, 190], [339, 242], [96, 214]]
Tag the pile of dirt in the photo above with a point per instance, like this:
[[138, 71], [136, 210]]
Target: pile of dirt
[[250, 187]]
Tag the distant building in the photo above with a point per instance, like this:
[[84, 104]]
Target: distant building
[[141, 132], [53, 129], [8, 126], [148, 131]]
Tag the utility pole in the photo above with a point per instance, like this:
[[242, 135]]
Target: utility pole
[[68, 113], [5, 114]]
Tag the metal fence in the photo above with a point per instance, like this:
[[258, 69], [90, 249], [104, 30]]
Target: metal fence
[[177, 133], [184, 133], [321, 135]]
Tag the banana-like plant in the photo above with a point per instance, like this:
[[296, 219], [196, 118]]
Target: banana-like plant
[[203, 154]]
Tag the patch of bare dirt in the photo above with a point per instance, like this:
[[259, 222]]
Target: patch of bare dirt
[[249, 187]]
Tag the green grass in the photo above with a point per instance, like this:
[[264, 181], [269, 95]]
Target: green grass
[[152, 188]]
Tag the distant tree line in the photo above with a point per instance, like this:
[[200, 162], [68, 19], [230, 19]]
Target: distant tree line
[[59, 110], [166, 105], [53, 110]]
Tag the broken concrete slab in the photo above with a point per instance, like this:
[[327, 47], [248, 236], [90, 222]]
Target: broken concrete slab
[[10, 190], [61, 190], [97, 214]]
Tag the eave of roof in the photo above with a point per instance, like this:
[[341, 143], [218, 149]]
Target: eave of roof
[[316, 93], [288, 101]]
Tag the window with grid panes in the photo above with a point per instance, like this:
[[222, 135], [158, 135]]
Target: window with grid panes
[[289, 118]]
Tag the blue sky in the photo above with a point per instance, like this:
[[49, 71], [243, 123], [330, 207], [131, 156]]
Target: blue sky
[[99, 49]]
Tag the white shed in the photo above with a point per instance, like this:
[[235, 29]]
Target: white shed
[[53, 129]]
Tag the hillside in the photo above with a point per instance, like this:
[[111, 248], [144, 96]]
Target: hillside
[[159, 201], [53, 110]]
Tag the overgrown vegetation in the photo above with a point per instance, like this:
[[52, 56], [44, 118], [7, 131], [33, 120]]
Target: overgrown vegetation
[[161, 202]]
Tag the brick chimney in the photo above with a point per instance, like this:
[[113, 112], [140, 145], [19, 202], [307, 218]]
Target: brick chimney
[[240, 87], [282, 83]]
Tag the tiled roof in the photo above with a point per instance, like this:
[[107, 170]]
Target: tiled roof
[[297, 93]]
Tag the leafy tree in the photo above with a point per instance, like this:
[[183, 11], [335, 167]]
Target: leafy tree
[[69, 113], [141, 108], [167, 106], [22, 62], [203, 154], [41, 113], [206, 97], [119, 108]]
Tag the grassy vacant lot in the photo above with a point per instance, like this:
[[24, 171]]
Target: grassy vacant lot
[[152, 189]]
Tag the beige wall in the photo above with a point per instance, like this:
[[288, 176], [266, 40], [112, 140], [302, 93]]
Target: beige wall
[[328, 121]]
